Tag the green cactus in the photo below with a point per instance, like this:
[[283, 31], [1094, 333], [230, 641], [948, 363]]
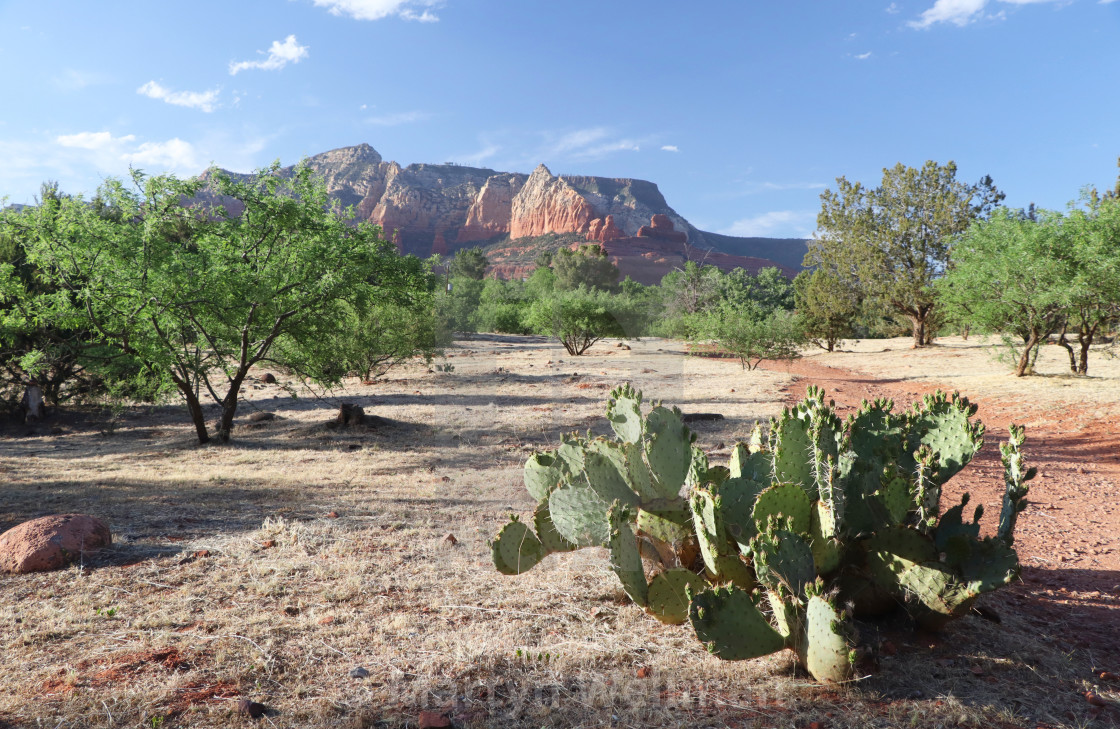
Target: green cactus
[[516, 549], [730, 625], [815, 514], [668, 594]]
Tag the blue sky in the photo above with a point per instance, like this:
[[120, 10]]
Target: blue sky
[[742, 111]]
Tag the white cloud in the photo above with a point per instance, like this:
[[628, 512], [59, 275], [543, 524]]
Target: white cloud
[[863, 56], [108, 152], [477, 158], [174, 155], [401, 117], [893, 9], [670, 148], [958, 12], [778, 223], [202, 100], [377, 9], [590, 143], [93, 140], [280, 54], [963, 12]]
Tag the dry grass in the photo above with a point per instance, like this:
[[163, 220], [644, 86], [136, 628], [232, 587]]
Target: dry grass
[[231, 578], [973, 368]]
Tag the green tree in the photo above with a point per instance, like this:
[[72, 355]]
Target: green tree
[[580, 317], [1009, 274], [469, 263], [588, 266], [200, 294], [769, 289], [828, 308], [691, 289], [1093, 288], [893, 241], [753, 335]]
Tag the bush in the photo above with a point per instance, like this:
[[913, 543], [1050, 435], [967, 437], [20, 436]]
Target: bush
[[581, 317]]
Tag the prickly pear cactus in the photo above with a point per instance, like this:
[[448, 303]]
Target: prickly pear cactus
[[808, 516]]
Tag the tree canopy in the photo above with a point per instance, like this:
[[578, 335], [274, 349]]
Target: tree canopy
[[200, 292], [893, 241]]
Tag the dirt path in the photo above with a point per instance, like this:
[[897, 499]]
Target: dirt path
[[1068, 539]]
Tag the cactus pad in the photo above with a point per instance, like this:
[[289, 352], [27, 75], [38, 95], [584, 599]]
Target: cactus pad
[[580, 515], [543, 471], [668, 594], [668, 450], [516, 549], [550, 539], [783, 559], [626, 560], [606, 480], [828, 642], [731, 626], [784, 500], [624, 411]]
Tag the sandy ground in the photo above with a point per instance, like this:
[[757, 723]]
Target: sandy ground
[[270, 568]]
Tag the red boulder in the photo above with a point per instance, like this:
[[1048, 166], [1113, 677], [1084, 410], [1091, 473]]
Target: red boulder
[[51, 542]]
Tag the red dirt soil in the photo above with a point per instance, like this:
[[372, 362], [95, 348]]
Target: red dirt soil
[[1068, 538]]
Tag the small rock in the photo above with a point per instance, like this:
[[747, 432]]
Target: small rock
[[51, 542], [1095, 700], [268, 544], [325, 620], [268, 378], [261, 416], [450, 538], [202, 553], [291, 610], [332, 514], [434, 720], [250, 708], [359, 672], [643, 672]]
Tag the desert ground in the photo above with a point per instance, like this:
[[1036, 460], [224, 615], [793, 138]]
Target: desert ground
[[271, 568]]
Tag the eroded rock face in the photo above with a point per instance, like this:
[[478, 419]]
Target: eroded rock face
[[425, 208], [489, 215], [51, 542], [605, 230], [548, 204]]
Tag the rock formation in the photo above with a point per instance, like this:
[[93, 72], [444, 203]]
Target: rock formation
[[51, 542], [426, 208]]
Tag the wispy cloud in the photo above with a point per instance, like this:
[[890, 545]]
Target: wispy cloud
[[670, 148], [201, 100], [863, 56], [589, 143], [417, 10], [488, 151], [398, 118], [280, 54], [893, 9], [779, 223], [963, 12], [81, 161]]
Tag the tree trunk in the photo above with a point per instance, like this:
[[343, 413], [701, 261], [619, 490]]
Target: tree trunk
[[229, 405], [1085, 339], [1064, 343], [919, 326], [1024, 365], [194, 407], [31, 405]]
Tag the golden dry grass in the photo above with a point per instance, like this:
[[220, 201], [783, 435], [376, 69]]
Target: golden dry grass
[[272, 567]]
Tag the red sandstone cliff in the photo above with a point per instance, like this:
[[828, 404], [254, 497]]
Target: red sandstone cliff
[[429, 209]]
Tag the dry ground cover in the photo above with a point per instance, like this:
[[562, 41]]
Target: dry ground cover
[[269, 569]]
